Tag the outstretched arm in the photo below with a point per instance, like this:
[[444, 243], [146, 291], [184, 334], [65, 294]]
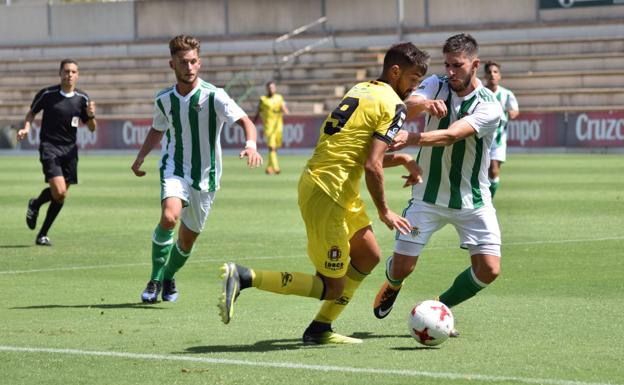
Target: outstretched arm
[[151, 140], [374, 182], [254, 159], [21, 134], [406, 160]]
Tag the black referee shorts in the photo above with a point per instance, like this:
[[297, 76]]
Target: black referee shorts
[[59, 160]]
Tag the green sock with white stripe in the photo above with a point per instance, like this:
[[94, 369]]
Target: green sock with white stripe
[[162, 241], [494, 183], [176, 261], [465, 286]]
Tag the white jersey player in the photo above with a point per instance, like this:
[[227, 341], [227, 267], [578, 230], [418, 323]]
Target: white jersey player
[[188, 119], [462, 117], [498, 151]]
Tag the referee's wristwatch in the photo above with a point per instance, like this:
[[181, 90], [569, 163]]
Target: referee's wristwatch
[[90, 117]]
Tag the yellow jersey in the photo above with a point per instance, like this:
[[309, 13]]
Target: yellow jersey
[[369, 110], [270, 109]]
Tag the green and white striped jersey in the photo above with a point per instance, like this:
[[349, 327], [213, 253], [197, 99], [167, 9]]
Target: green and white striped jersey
[[456, 176], [509, 102], [191, 147]]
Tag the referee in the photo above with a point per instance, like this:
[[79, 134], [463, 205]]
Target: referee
[[64, 107]]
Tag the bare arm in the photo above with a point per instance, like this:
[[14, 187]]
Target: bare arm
[[21, 134], [406, 160], [457, 131], [151, 140], [374, 182], [417, 104], [513, 114], [285, 109], [91, 122], [254, 159]]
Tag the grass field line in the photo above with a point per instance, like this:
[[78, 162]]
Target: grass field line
[[298, 366], [118, 265]]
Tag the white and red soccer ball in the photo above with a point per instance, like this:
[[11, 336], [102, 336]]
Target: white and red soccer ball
[[430, 322]]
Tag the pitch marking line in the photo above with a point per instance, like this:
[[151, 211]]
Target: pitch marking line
[[294, 365], [69, 268]]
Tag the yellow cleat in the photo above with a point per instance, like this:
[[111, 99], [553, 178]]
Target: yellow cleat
[[327, 338], [231, 290]]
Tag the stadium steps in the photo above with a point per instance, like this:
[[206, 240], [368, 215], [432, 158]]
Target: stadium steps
[[542, 73]]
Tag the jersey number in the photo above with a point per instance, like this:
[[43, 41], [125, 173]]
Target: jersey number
[[341, 115]]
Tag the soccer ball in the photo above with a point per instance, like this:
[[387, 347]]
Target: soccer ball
[[430, 322]]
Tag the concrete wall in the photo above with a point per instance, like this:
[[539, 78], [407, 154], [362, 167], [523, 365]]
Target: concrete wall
[[588, 13], [92, 22], [415, 14], [23, 25], [452, 12], [30, 23], [164, 18], [270, 16], [361, 15]]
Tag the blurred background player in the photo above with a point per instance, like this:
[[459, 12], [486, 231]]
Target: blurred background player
[[192, 114], [341, 244], [271, 110], [498, 151], [462, 118], [64, 107]]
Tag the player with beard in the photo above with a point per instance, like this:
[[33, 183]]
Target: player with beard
[[341, 244], [507, 99], [191, 114], [462, 116]]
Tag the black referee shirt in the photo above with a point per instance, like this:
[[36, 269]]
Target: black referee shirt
[[61, 114]]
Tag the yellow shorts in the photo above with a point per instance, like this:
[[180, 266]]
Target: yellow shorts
[[273, 133], [329, 227]]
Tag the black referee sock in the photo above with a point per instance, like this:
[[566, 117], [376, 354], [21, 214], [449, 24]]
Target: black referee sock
[[53, 211], [44, 197]]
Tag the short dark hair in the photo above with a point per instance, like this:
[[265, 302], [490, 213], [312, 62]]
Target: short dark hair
[[269, 83], [67, 61], [183, 43], [405, 55], [461, 43], [489, 64]]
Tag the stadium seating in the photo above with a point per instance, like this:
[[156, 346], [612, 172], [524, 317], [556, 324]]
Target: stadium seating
[[555, 74]]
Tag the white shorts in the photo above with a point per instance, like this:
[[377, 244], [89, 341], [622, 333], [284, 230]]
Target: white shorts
[[197, 204], [499, 152], [477, 228]]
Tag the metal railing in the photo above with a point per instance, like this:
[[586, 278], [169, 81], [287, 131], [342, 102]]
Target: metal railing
[[249, 84]]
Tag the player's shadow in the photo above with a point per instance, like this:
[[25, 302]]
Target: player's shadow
[[129, 305], [372, 336], [15, 246], [258, 347]]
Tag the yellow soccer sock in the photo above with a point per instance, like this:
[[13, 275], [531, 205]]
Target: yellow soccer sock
[[330, 310], [273, 160], [303, 285]]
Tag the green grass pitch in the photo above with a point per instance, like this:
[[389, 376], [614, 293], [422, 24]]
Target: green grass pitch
[[70, 314]]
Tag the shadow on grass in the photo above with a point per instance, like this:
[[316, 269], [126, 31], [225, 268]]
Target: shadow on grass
[[369, 335], [130, 305], [15, 246], [258, 347]]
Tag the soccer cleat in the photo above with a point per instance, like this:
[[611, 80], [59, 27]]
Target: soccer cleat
[[453, 333], [169, 291], [43, 241], [150, 294], [385, 300], [31, 215], [327, 338], [231, 290]]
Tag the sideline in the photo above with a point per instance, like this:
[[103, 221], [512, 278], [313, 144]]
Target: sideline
[[90, 267], [294, 365]]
